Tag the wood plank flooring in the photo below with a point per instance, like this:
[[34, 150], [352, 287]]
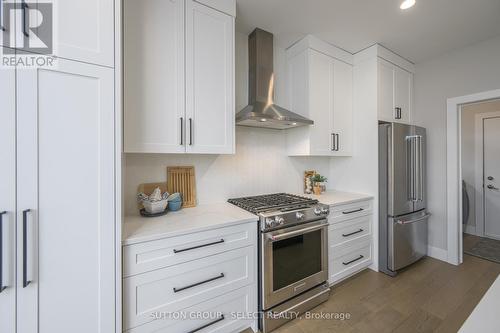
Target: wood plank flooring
[[430, 296]]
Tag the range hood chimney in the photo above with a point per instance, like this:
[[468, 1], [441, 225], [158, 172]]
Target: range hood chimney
[[261, 110]]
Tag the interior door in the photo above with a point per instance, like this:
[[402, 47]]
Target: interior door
[[321, 95], [7, 200], [209, 80], [66, 245], [492, 177], [154, 107]]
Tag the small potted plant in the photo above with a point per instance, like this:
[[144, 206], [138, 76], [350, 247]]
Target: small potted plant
[[319, 183]]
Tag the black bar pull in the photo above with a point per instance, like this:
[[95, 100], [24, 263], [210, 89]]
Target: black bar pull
[[353, 211], [333, 141], [352, 233], [337, 146], [190, 131], [198, 246], [353, 260], [182, 131], [24, 5], [25, 248], [2, 287], [176, 290], [206, 325]]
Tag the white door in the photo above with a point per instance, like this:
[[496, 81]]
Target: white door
[[492, 177], [342, 108], [209, 80], [65, 135], [83, 30], [7, 200], [154, 119], [385, 85], [321, 99], [402, 94]]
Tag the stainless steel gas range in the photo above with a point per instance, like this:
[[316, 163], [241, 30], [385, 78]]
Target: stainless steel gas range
[[293, 255]]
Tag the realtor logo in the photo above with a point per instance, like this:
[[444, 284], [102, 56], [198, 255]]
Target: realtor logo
[[27, 27]]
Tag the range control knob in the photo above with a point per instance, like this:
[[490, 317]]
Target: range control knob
[[299, 215], [317, 211], [325, 210], [279, 220], [269, 222]]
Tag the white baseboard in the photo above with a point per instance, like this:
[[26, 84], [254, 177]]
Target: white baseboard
[[437, 253], [469, 229]]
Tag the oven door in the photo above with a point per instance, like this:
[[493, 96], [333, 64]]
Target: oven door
[[293, 260]]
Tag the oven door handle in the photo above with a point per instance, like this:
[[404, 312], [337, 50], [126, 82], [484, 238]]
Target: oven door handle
[[296, 232]]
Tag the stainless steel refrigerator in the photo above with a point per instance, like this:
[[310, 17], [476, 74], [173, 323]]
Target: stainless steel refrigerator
[[403, 217]]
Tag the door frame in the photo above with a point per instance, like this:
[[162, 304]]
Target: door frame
[[454, 170], [479, 166]]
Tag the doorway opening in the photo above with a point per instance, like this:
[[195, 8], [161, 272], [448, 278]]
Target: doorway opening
[[480, 173]]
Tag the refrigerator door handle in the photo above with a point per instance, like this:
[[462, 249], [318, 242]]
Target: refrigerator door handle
[[426, 216]]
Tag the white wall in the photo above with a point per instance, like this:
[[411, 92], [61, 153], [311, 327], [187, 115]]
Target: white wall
[[466, 71], [259, 165], [468, 152]]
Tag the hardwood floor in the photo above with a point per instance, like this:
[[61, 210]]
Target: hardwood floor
[[430, 296]]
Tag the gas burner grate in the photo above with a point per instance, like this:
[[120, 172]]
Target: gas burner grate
[[261, 203]]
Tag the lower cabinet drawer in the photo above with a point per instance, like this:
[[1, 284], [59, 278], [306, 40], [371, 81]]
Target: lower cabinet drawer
[[350, 261], [231, 312], [348, 231], [348, 211], [181, 286]]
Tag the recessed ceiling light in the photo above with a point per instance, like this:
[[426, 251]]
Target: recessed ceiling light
[[407, 4]]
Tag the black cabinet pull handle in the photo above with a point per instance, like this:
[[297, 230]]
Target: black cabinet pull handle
[[198, 246], [182, 131], [354, 260], [25, 247], [176, 290], [352, 233], [337, 146], [206, 325], [2, 287], [190, 131], [24, 5], [353, 211]]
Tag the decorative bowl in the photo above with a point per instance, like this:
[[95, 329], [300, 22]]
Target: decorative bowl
[[154, 207]]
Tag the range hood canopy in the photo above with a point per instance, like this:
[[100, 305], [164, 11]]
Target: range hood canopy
[[261, 111]]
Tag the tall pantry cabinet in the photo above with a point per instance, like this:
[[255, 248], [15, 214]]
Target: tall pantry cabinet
[[57, 175]]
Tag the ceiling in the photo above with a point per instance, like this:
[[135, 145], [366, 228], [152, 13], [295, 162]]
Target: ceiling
[[429, 29]]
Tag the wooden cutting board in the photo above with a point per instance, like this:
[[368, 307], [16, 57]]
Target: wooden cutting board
[[148, 188], [182, 179]]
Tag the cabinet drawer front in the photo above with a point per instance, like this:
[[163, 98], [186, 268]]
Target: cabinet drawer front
[[350, 262], [220, 314], [349, 231], [349, 211], [145, 257], [177, 287]]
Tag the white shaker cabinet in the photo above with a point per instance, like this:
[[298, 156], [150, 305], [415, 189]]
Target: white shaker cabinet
[[395, 87], [179, 93], [320, 88], [7, 200], [65, 199], [82, 30]]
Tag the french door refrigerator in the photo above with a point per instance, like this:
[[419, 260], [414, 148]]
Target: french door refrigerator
[[403, 217]]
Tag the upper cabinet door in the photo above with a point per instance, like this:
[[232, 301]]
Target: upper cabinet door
[[7, 200], [321, 103], [386, 109], [154, 118], [85, 30], [210, 106], [342, 108], [65, 177], [403, 82]]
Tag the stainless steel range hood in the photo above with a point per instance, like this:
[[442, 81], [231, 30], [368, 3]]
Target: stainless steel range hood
[[261, 111]]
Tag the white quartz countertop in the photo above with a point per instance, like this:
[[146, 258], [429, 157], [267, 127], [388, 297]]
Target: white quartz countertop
[[485, 318], [335, 198], [138, 229]]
